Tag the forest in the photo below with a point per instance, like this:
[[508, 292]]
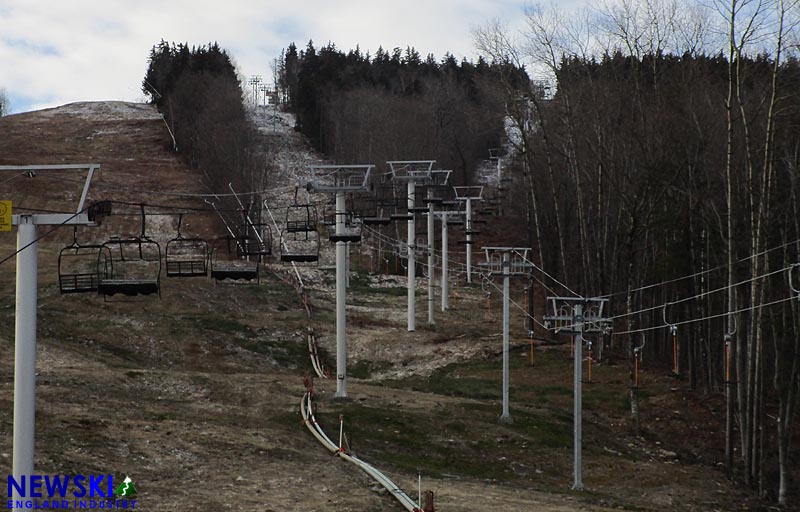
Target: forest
[[199, 93], [396, 105], [661, 159]]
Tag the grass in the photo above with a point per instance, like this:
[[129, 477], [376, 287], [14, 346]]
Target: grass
[[409, 441], [364, 369], [360, 284]]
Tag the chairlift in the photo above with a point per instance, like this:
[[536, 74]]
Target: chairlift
[[385, 196], [300, 217], [352, 230], [186, 257], [135, 265], [380, 219], [329, 217], [81, 267], [256, 241], [400, 208], [299, 246], [370, 212], [420, 206], [227, 263], [378, 216]]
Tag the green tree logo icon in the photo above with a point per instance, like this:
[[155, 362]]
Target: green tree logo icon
[[126, 489]]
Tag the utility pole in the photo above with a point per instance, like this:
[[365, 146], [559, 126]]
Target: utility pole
[[339, 180], [264, 90], [26, 310], [255, 80]]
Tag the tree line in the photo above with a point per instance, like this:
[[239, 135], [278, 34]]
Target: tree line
[[199, 93], [397, 105], [663, 147]]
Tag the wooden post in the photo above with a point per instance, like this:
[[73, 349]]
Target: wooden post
[[532, 359], [427, 502]]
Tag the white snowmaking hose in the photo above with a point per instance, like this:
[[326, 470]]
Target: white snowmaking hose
[[314, 354], [316, 430]]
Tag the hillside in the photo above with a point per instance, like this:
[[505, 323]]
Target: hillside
[[196, 395]]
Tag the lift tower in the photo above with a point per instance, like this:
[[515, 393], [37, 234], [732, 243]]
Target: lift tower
[[26, 304], [340, 180], [469, 195], [412, 172], [507, 262], [438, 183], [577, 316]]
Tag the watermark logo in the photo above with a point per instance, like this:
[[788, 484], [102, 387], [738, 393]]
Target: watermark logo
[[126, 489], [77, 492]]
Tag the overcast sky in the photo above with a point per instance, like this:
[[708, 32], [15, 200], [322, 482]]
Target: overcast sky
[[54, 52]]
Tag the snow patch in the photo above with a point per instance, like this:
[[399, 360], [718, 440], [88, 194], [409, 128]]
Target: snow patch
[[106, 111]]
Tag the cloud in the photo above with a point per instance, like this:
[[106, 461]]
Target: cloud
[[57, 52]]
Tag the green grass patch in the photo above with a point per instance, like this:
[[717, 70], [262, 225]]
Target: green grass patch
[[364, 369], [360, 283], [410, 442]]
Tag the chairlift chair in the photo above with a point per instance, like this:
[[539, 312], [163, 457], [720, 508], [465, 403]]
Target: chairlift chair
[[400, 207], [301, 218], [135, 265], [81, 267], [329, 217], [227, 262], [256, 241], [372, 213], [352, 230], [438, 189], [299, 246], [385, 196], [420, 206], [186, 257]]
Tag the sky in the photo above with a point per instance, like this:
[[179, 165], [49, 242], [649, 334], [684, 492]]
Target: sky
[[54, 52]]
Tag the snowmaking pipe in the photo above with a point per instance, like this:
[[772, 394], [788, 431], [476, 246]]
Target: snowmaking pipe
[[316, 431]]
